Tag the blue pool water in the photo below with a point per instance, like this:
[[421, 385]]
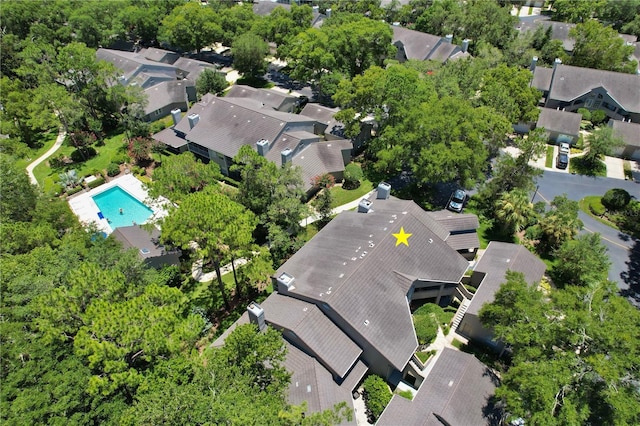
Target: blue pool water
[[112, 200]]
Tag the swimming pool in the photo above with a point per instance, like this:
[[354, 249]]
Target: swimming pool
[[120, 208]]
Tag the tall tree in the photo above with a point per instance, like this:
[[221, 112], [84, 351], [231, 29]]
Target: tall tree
[[215, 223], [211, 81], [601, 47], [190, 27], [249, 53], [508, 91], [560, 223], [576, 11], [19, 197], [181, 175], [582, 261], [442, 18], [323, 200], [572, 359], [600, 142]]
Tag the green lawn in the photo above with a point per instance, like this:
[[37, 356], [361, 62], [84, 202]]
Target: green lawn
[[344, 196], [549, 160], [47, 177], [579, 166], [48, 139]]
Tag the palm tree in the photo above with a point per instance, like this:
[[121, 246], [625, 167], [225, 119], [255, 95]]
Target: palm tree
[[514, 210]]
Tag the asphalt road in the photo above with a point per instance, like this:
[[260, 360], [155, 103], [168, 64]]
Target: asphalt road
[[624, 251]]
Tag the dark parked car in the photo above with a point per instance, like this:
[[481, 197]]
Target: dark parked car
[[456, 201], [562, 161]]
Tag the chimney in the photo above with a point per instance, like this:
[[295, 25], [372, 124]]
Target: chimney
[[256, 315], [396, 24], [176, 115], [534, 62], [262, 146], [557, 62], [315, 8], [285, 282], [465, 45], [384, 190], [193, 120], [328, 13], [364, 206], [286, 155], [448, 38]]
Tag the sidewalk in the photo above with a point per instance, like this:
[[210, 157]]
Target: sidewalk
[[349, 206], [49, 153]]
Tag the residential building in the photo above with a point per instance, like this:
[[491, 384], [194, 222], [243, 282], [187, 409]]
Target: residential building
[[343, 299], [421, 46], [165, 97], [569, 88], [136, 69], [147, 242], [487, 277], [217, 127], [458, 390], [630, 134], [271, 98], [458, 230], [561, 126], [332, 129]]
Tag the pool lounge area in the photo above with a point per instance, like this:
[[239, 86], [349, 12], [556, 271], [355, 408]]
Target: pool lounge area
[[120, 202]]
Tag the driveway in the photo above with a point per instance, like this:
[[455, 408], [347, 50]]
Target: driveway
[[624, 251]]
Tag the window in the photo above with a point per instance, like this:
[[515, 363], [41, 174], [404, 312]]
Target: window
[[157, 112]]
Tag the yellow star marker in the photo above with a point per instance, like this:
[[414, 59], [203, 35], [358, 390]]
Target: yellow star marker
[[402, 237]]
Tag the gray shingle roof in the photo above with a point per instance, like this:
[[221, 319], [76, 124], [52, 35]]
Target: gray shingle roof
[[226, 124], [456, 222], [312, 383], [324, 115], [458, 389], [629, 132], [564, 122], [542, 78], [417, 45], [350, 266], [159, 55], [315, 330], [264, 8], [272, 98], [559, 30], [571, 82], [442, 52], [191, 68], [165, 93], [140, 238], [131, 64], [495, 262], [320, 158], [168, 136]]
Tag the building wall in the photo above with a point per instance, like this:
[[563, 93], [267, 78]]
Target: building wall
[[159, 262], [164, 111], [471, 327], [597, 98]]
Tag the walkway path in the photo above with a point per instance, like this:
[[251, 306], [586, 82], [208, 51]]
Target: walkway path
[[49, 153], [349, 206]]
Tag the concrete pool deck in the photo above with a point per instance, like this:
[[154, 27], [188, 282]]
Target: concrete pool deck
[[85, 208]]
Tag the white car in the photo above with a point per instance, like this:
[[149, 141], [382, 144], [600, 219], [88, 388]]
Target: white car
[[564, 148]]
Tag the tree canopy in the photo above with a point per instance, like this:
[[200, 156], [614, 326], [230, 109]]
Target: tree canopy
[[601, 47]]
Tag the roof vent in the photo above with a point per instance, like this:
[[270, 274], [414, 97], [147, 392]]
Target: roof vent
[[285, 282], [364, 206], [384, 190], [286, 155], [262, 146], [256, 315], [144, 251], [193, 120]]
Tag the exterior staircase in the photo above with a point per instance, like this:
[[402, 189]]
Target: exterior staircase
[[460, 314]]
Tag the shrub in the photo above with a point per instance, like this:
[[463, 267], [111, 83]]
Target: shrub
[[596, 207], [157, 126], [82, 154], [376, 394], [406, 394], [586, 114], [628, 173], [113, 169], [352, 176], [99, 181], [431, 308], [616, 199], [533, 232], [74, 190], [426, 328], [598, 116]]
